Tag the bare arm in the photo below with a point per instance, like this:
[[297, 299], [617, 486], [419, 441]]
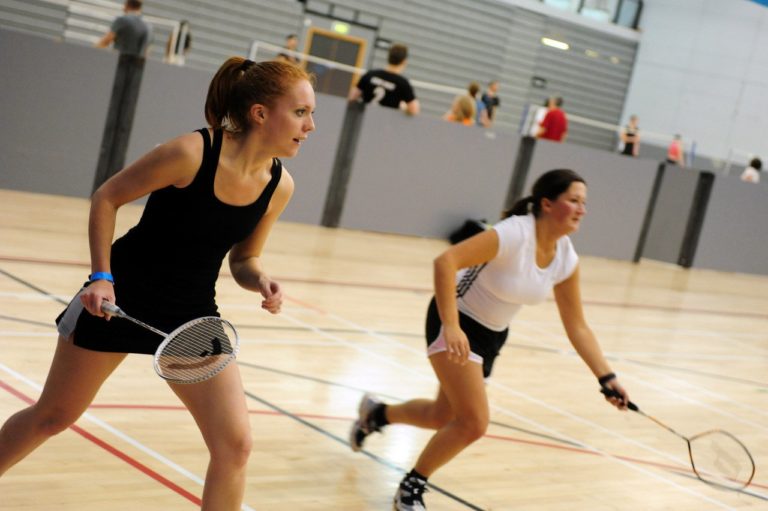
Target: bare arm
[[172, 163], [413, 107], [355, 94], [106, 40], [478, 249], [568, 299], [244, 258]]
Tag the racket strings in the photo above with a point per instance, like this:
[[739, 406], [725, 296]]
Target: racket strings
[[721, 459], [197, 351]]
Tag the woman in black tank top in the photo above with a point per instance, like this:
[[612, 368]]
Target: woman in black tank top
[[218, 190]]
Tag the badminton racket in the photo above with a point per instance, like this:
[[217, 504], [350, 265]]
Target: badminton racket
[[717, 457], [194, 352]]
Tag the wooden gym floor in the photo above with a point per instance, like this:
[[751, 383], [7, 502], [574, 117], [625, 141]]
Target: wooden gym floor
[[691, 346]]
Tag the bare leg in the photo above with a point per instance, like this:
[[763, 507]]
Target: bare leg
[[464, 388], [422, 413], [75, 376], [219, 409]]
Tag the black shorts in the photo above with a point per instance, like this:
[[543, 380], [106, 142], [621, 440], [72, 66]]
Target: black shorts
[[482, 340]]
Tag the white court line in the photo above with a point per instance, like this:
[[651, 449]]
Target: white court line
[[655, 330], [135, 443], [664, 390], [422, 374], [718, 337]]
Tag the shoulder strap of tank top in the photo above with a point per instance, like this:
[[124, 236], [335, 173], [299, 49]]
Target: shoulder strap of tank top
[[277, 171], [206, 142], [211, 151]]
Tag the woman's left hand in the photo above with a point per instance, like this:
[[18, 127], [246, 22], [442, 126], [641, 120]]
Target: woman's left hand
[[273, 295], [618, 402]]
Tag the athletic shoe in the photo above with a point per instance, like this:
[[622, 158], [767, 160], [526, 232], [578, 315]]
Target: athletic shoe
[[364, 425], [410, 495]]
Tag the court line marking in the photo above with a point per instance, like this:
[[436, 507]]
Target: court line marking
[[94, 439], [425, 289], [664, 390], [95, 420], [552, 408], [531, 422]]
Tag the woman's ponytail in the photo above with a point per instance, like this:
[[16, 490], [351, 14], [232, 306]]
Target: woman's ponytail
[[219, 98], [521, 207]]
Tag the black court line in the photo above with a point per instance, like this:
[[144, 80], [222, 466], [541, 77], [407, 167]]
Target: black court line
[[393, 398], [428, 290], [322, 431], [33, 287], [344, 442], [27, 321]]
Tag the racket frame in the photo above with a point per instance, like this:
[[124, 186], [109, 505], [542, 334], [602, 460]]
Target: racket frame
[[608, 392], [113, 310]]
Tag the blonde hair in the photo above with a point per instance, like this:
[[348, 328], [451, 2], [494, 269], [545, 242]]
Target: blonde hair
[[464, 107]]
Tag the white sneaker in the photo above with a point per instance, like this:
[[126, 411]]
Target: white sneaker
[[410, 495]]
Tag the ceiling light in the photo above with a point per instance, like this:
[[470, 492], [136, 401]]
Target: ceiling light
[[554, 43]]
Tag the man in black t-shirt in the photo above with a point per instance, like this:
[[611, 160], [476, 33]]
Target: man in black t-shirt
[[387, 86]]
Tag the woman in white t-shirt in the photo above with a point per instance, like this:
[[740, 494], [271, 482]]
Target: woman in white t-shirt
[[480, 284]]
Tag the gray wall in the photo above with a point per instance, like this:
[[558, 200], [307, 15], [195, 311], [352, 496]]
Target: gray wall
[[425, 177], [171, 102], [619, 188], [311, 168], [670, 216], [53, 107], [702, 71], [735, 232]]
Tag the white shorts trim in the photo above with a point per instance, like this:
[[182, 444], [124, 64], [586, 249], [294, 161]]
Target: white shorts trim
[[69, 320], [438, 346]]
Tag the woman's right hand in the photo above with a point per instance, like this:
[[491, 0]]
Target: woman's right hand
[[94, 294], [456, 344]]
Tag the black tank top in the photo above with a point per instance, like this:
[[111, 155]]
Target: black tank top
[[172, 257]]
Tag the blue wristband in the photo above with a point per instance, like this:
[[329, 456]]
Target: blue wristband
[[101, 275]]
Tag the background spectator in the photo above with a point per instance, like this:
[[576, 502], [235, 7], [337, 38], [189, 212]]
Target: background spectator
[[752, 173], [177, 53], [462, 110], [675, 152], [291, 43], [481, 114], [387, 86], [554, 126], [491, 100], [130, 33], [630, 136]]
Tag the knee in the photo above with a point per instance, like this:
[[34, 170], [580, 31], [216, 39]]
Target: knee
[[441, 417], [233, 451], [51, 422], [473, 428]]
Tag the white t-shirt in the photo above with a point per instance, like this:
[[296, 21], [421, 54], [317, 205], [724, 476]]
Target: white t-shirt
[[750, 175], [492, 293]]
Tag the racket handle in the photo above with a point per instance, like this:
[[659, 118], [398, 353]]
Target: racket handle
[[612, 393], [111, 309]]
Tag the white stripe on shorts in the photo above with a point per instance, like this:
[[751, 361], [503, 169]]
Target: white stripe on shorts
[[69, 319], [438, 346]]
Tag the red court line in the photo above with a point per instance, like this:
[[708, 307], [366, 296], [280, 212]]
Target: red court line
[[113, 450], [364, 285], [504, 438]]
